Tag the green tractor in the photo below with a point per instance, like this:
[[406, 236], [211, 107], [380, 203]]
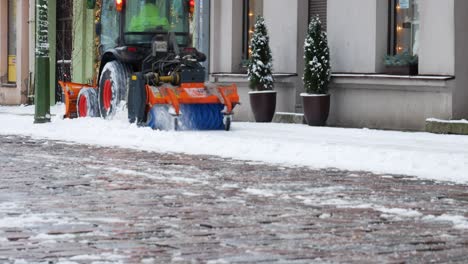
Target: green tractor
[[149, 70]]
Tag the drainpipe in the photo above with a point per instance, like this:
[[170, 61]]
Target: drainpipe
[[42, 76]]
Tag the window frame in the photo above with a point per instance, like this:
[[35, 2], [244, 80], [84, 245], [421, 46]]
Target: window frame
[[391, 27]]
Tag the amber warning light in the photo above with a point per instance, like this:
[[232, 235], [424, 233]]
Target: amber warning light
[[119, 5]]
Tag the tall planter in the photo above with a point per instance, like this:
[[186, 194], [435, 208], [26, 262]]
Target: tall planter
[[259, 72], [317, 74], [316, 108], [263, 104]]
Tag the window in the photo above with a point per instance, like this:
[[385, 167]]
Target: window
[[319, 7], [144, 18], [11, 41], [110, 22], [251, 9], [404, 27]]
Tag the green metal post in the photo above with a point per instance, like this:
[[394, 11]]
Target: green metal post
[[42, 97]]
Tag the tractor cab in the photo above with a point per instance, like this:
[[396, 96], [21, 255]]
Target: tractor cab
[[133, 25], [143, 19]]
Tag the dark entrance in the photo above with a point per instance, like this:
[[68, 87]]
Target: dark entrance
[[64, 44]]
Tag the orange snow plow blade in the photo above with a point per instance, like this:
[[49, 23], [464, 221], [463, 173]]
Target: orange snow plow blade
[[71, 91], [193, 93]]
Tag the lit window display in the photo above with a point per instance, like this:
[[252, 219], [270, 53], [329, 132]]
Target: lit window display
[[252, 8], [405, 25]]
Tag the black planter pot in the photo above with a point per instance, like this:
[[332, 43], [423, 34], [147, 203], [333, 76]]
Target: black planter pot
[[402, 70], [316, 109], [263, 104]]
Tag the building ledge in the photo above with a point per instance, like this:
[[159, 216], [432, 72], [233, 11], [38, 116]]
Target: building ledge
[[7, 85], [242, 77], [393, 77], [419, 83]]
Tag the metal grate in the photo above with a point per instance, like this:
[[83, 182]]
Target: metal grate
[[64, 43], [319, 7]]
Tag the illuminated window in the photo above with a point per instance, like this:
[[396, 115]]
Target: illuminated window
[[251, 9], [404, 27]]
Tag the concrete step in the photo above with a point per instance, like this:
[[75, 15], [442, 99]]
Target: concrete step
[[288, 118], [458, 127]]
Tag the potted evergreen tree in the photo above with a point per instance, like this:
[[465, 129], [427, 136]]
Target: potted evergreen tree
[[317, 73], [259, 72]]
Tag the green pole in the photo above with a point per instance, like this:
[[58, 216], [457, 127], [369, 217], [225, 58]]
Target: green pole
[[42, 78]]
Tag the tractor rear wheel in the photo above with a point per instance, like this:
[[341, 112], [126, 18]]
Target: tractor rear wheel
[[87, 103], [112, 88]]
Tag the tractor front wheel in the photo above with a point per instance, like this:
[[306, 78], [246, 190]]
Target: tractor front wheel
[[112, 88]]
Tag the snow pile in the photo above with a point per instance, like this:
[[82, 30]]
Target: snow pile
[[428, 156], [458, 221], [462, 121]]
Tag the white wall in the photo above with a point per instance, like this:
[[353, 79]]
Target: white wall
[[280, 17], [389, 103], [22, 40], [226, 35], [357, 33], [15, 94], [437, 37]]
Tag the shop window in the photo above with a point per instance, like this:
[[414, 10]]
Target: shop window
[[404, 27], [251, 9], [11, 41]]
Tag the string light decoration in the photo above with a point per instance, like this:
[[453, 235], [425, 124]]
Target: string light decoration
[[399, 28], [406, 15]]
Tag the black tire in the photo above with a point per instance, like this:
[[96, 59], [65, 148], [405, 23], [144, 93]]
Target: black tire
[[113, 84], [87, 103], [227, 123]]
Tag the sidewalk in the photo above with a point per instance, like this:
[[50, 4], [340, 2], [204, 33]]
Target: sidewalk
[[427, 156]]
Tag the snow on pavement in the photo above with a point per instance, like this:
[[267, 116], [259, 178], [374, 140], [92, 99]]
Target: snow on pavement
[[427, 156]]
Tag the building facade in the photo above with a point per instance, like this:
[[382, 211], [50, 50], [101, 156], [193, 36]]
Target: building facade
[[15, 48], [361, 33]]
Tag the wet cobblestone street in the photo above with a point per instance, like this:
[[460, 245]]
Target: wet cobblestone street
[[70, 203]]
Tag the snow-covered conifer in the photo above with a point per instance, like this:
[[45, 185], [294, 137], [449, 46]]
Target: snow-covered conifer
[[260, 64], [317, 71]]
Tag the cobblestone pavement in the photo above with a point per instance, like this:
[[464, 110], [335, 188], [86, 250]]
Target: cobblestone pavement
[[68, 203]]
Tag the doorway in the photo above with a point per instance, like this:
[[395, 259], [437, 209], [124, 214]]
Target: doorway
[[64, 44]]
